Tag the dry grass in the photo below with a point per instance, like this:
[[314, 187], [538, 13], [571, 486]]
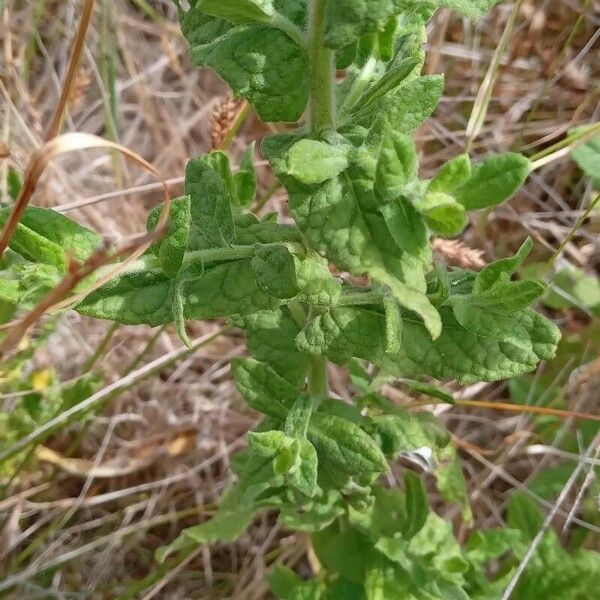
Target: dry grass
[[155, 457]]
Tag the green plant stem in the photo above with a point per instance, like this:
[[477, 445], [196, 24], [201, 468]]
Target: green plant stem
[[321, 62], [102, 346], [233, 252], [575, 229], [359, 298], [318, 386]]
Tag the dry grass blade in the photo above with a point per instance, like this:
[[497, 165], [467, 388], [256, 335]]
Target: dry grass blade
[[37, 163], [108, 392]]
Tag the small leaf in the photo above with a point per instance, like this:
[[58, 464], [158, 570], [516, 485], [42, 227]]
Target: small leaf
[[210, 207], [433, 391], [277, 446], [225, 526], [587, 156], [73, 238], [407, 228], [416, 506], [450, 480], [345, 446], [171, 249], [276, 271], [493, 181], [501, 270], [405, 108], [397, 166], [524, 515], [264, 390], [270, 338], [312, 162], [131, 299], [296, 423], [304, 476], [392, 79], [443, 214], [454, 174]]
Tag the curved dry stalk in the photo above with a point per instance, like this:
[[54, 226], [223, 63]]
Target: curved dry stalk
[[37, 163]]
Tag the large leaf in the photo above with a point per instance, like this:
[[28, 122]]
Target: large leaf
[[144, 297], [457, 354], [257, 61]]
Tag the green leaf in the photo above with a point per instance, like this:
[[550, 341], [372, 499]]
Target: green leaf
[[316, 513], [276, 271], [443, 214], [342, 217], [407, 228], [342, 549], [312, 162], [347, 20], [257, 61], [501, 270], [401, 432], [245, 180], [397, 74], [344, 445], [430, 390], [275, 445], [587, 156], [491, 313], [283, 581], [304, 475], [210, 208], [397, 166], [239, 11], [524, 515], [34, 246], [474, 9], [453, 175], [264, 390], [393, 325], [131, 299], [144, 297], [493, 181], [490, 544], [218, 161], [573, 287], [171, 249], [270, 338], [458, 353], [416, 506], [73, 238], [225, 526], [450, 480], [405, 108], [296, 423]]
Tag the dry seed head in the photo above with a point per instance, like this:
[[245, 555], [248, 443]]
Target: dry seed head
[[459, 253], [222, 119]]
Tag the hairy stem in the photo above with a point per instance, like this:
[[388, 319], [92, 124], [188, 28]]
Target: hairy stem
[[321, 62], [318, 386]]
